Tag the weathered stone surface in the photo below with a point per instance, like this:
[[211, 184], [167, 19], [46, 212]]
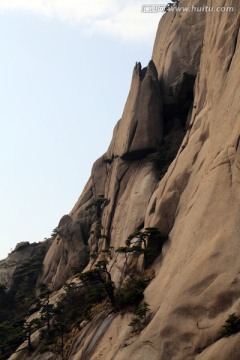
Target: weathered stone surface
[[197, 201], [228, 348], [112, 341], [129, 196], [85, 342], [23, 251], [67, 252], [70, 248], [178, 34], [140, 129], [137, 134], [24, 355], [197, 285]]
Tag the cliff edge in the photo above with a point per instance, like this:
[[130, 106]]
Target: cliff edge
[[173, 165]]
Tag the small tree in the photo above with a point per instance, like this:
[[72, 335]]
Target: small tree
[[232, 325], [148, 242], [100, 275], [29, 328], [171, 4], [62, 328], [47, 309], [140, 320], [132, 291], [59, 329], [106, 279], [11, 336], [99, 203], [55, 232]]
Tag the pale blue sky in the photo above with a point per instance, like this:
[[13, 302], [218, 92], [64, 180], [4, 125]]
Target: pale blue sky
[[65, 71]]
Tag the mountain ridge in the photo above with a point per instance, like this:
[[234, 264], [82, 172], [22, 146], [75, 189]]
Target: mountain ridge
[[172, 166]]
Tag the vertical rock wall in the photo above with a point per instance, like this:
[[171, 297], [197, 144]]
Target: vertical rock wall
[[192, 83]]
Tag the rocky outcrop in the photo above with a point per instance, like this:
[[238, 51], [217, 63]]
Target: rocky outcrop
[[183, 111], [176, 54], [22, 252], [140, 129], [196, 286], [67, 253], [179, 33], [197, 202], [125, 174]]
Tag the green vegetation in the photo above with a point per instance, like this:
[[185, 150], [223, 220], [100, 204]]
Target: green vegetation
[[91, 292], [100, 277], [15, 305], [28, 329], [11, 323], [232, 325], [140, 320], [97, 287], [131, 292], [11, 337], [99, 203], [25, 277], [55, 232], [171, 4], [46, 308], [148, 242]]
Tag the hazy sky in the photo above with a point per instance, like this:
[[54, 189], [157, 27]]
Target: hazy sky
[[65, 71]]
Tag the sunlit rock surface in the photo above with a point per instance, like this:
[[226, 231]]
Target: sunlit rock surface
[[183, 110]]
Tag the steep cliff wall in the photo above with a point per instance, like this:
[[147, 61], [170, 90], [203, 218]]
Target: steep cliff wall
[[126, 175], [183, 111], [197, 202]]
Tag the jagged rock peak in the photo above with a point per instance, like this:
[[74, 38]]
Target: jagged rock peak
[[141, 72], [139, 132]]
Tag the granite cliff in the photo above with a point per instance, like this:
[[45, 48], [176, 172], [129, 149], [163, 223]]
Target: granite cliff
[[173, 165]]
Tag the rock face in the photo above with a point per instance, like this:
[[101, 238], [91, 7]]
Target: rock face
[[67, 252], [133, 137], [198, 201], [125, 174], [183, 111], [22, 252]]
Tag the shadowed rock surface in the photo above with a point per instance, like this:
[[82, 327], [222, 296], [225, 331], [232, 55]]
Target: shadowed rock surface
[[23, 251]]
